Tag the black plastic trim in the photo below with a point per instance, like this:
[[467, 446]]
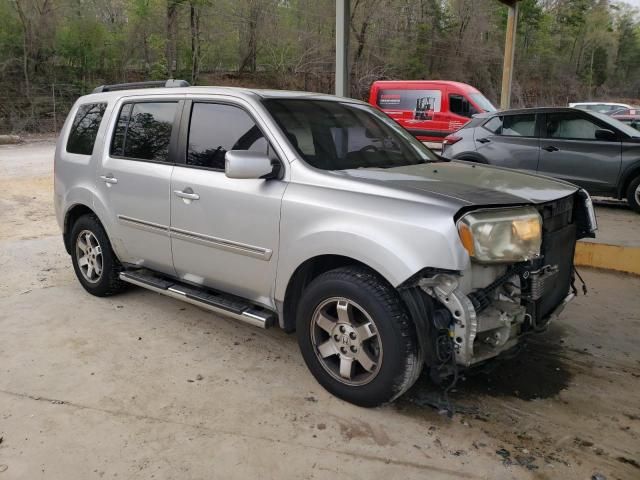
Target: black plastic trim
[[416, 132], [171, 83]]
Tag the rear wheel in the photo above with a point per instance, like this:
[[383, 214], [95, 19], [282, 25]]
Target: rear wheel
[[633, 194], [356, 337], [94, 262]]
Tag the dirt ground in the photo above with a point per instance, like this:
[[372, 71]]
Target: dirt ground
[[143, 386]]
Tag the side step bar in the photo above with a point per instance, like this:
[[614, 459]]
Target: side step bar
[[217, 302]]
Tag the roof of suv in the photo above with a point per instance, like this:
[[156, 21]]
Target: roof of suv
[[212, 90], [517, 111]]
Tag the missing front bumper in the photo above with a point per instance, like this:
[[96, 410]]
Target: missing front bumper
[[480, 335]]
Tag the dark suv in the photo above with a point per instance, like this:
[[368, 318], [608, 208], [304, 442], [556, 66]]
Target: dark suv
[[590, 149]]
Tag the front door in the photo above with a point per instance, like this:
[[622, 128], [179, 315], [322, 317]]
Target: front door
[[225, 232], [571, 151], [134, 180], [460, 111]]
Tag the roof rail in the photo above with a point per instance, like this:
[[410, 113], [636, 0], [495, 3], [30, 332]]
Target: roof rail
[[171, 83]]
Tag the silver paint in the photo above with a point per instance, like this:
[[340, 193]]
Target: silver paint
[[248, 236]]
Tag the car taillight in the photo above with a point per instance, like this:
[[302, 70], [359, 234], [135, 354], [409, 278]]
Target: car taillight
[[450, 140]]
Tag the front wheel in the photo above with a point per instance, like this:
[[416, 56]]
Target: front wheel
[[633, 194], [357, 338]]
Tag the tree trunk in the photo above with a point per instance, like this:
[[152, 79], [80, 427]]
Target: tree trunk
[[249, 37], [27, 44], [172, 36], [195, 42]]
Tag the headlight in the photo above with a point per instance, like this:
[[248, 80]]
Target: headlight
[[501, 235]]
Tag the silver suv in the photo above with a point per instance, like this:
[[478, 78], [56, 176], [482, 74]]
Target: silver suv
[[318, 214]]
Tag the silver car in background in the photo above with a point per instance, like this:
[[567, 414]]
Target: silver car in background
[[591, 149], [320, 215]]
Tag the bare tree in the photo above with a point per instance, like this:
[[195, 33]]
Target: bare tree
[[172, 36]]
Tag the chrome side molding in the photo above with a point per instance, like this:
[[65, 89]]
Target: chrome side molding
[[199, 238]]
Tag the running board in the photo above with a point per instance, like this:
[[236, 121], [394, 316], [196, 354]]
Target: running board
[[217, 302]]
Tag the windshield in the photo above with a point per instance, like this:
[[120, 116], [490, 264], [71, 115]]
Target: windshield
[[332, 135], [623, 127], [483, 102]]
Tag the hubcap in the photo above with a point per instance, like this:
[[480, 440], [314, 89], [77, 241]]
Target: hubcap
[[638, 194], [346, 341], [89, 255]]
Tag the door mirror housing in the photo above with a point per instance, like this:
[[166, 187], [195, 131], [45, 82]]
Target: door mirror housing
[[604, 134], [246, 164]]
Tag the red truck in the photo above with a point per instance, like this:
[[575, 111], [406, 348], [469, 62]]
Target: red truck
[[429, 109]]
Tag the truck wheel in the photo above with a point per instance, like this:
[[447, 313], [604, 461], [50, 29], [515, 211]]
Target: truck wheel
[[94, 262], [357, 338], [633, 194]]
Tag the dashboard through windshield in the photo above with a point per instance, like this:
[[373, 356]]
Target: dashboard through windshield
[[332, 135]]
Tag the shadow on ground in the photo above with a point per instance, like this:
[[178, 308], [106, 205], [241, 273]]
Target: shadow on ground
[[539, 371]]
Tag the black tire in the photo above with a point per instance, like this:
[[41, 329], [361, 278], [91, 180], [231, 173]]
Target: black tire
[[108, 282], [401, 361], [633, 193]]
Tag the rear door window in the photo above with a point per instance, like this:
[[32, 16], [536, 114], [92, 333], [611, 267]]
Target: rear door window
[[143, 131], [410, 100], [217, 128], [84, 129], [513, 125]]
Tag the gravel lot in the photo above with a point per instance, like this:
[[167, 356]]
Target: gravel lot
[[143, 386]]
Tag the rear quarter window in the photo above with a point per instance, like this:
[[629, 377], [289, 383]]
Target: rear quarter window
[[84, 128], [513, 125]]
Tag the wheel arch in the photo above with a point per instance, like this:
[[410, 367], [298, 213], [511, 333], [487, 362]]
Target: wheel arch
[[75, 211], [70, 217], [304, 275], [628, 176]]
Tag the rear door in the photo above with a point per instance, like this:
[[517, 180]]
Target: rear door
[[510, 141], [134, 180], [570, 150]]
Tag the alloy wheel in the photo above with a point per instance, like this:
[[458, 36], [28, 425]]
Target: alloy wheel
[[89, 256], [346, 341]]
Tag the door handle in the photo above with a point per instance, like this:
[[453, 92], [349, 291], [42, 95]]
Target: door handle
[[482, 140], [110, 179], [551, 148], [188, 195]]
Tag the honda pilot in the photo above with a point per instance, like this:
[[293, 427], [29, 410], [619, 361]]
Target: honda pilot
[[319, 215]]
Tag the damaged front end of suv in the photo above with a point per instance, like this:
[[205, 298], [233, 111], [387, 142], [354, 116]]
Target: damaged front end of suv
[[520, 277]]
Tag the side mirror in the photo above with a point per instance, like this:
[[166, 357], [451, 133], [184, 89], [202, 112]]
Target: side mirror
[[246, 164], [607, 135]]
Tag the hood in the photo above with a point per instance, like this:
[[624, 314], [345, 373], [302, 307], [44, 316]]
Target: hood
[[468, 183]]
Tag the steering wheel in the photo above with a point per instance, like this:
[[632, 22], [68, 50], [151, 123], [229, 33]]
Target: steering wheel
[[369, 148]]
